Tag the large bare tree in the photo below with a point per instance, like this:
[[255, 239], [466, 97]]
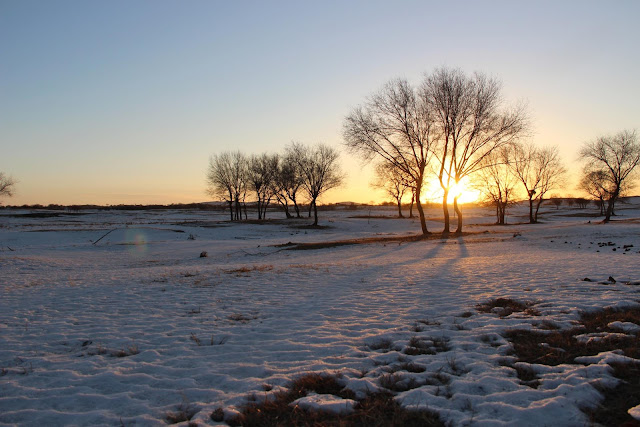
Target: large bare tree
[[7, 185], [319, 169], [616, 156], [227, 179], [471, 122], [540, 170], [393, 182], [394, 126]]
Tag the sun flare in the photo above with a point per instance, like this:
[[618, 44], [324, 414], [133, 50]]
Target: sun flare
[[465, 192]]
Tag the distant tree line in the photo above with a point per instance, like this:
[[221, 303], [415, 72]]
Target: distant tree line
[[301, 173]]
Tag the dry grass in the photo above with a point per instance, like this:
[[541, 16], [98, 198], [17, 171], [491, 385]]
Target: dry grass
[[241, 318], [378, 409], [433, 345], [369, 240], [559, 347], [384, 344], [184, 412], [504, 307], [244, 271], [126, 352], [613, 410]]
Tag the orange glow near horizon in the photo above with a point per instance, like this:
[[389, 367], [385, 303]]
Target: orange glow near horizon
[[467, 194]]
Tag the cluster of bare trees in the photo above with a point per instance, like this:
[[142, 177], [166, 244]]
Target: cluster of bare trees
[[301, 172], [447, 127], [610, 168], [520, 170]]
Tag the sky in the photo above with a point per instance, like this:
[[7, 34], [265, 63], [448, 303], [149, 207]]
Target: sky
[[124, 101]]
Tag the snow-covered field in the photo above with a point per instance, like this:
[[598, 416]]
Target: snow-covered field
[[123, 331]]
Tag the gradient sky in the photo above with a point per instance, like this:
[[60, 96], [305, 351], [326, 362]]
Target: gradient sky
[[123, 101]]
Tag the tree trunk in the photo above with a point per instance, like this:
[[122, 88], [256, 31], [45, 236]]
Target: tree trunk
[[532, 220], [231, 209], [445, 209], [458, 212], [400, 208], [315, 213], [610, 205], [259, 209], [295, 204], [423, 221], [284, 204], [413, 196], [503, 208], [535, 215]]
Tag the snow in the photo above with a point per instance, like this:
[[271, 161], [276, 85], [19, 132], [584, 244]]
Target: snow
[[625, 327], [325, 403], [214, 331], [635, 412]]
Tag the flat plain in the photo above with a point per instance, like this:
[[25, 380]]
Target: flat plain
[[114, 318]]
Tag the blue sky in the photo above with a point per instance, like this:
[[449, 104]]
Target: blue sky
[[124, 101]]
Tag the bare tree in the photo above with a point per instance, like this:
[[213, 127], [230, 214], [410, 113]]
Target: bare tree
[[226, 178], [497, 182], [289, 181], [7, 185], [617, 157], [261, 174], [471, 123], [395, 126], [540, 170], [594, 183], [393, 182], [320, 170]]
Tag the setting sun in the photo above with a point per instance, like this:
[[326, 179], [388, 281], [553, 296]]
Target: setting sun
[[467, 193]]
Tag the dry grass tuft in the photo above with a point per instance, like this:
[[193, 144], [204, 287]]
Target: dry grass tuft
[[418, 346], [126, 352], [504, 307], [184, 412], [398, 383], [384, 344], [244, 271]]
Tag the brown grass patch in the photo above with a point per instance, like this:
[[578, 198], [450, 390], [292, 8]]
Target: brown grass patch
[[249, 269], [378, 409], [184, 412], [504, 307], [613, 410], [558, 347], [370, 240]]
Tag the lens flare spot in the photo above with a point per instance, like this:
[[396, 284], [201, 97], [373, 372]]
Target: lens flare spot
[[136, 241]]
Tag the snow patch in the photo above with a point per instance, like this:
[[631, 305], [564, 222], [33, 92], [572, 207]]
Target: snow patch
[[325, 403]]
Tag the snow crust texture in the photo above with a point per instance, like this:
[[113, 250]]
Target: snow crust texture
[[138, 325]]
